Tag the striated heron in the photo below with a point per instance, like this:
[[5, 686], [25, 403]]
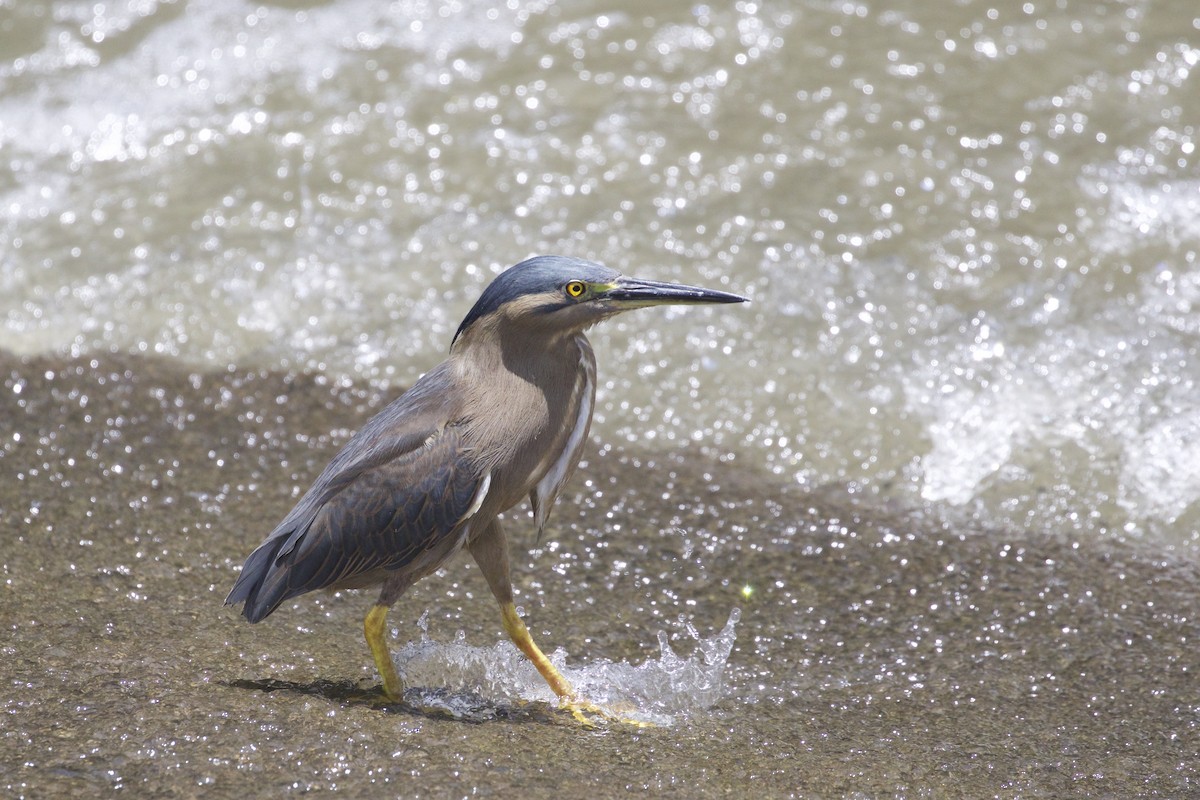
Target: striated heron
[[503, 418]]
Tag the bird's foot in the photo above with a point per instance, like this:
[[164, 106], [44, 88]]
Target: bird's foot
[[591, 715]]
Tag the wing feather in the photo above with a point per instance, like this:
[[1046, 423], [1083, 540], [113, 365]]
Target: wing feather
[[391, 499], [583, 397]]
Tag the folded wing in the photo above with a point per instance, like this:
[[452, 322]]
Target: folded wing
[[407, 489]]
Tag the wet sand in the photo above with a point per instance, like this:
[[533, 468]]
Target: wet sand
[[881, 651]]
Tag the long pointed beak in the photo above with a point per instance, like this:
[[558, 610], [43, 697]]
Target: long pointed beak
[[633, 293]]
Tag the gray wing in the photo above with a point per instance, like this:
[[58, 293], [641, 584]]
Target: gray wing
[[396, 491], [584, 397]]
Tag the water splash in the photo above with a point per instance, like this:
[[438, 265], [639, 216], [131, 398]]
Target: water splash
[[658, 691]]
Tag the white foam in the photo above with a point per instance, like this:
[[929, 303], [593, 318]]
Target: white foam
[[659, 691]]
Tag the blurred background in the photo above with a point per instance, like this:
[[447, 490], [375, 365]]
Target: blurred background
[[970, 230]]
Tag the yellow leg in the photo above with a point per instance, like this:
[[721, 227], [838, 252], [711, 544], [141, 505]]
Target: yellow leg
[[519, 634], [375, 627], [584, 711], [490, 551]]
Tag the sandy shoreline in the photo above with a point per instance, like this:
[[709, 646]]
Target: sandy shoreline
[[879, 651]]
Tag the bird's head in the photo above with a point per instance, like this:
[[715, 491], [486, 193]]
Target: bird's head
[[555, 295]]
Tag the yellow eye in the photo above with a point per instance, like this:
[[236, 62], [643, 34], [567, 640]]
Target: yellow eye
[[576, 289]]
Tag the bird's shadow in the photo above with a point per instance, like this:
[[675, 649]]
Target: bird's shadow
[[442, 704]]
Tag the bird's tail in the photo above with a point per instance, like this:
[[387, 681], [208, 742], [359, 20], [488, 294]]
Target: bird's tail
[[262, 586]]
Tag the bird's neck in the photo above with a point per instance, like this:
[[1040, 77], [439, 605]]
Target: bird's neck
[[537, 357], [521, 398]]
